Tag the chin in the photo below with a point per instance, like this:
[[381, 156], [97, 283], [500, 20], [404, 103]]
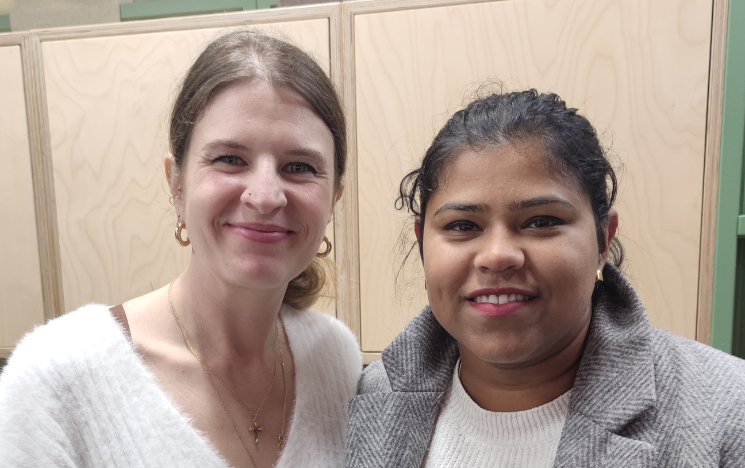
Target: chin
[[505, 354], [258, 278]]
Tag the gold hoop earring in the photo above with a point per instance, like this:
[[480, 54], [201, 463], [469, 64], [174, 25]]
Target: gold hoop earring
[[599, 276], [328, 248], [180, 227]]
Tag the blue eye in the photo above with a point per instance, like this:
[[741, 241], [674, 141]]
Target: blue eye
[[300, 168], [230, 160]]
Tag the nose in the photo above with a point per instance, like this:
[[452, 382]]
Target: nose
[[264, 189], [500, 251]]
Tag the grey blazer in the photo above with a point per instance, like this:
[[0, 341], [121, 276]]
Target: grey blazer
[[642, 397]]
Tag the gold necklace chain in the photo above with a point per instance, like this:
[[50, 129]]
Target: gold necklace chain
[[256, 428], [217, 394]]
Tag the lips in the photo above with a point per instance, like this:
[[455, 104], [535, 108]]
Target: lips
[[500, 302], [259, 232]]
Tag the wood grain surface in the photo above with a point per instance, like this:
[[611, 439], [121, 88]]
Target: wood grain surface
[[637, 69], [707, 255], [21, 303], [108, 103]]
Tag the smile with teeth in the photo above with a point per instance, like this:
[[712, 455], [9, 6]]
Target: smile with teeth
[[501, 299]]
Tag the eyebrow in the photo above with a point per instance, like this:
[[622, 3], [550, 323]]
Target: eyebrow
[[307, 152], [299, 152], [538, 201], [224, 143], [514, 206], [468, 207]]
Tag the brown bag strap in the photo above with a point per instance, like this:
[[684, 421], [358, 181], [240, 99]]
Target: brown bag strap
[[120, 316]]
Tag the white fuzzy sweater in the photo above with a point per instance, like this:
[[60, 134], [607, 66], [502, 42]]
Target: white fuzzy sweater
[[468, 436], [76, 394]]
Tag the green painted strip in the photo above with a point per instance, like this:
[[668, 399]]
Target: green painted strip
[[168, 8], [741, 226], [738, 325], [730, 181], [262, 4], [4, 23]]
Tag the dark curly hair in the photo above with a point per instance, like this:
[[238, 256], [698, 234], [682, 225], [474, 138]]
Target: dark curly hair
[[571, 143]]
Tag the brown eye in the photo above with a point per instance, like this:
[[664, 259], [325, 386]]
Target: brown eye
[[461, 226], [543, 222]]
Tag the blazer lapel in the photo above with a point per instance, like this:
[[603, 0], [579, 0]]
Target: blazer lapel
[[587, 444], [422, 357], [399, 433], [611, 412], [419, 364]]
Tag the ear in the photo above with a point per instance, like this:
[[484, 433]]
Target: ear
[[610, 233], [336, 199], [418, 230], [173, 176]]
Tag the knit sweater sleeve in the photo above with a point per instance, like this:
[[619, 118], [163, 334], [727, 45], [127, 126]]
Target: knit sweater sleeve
[[32, 422], [39, 389]]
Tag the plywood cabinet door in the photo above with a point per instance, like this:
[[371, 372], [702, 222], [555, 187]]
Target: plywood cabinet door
[[21, 303], [637, 69]]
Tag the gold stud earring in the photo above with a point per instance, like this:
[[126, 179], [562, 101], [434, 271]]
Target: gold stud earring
[[180, 227], [599, 276], [328, 248]]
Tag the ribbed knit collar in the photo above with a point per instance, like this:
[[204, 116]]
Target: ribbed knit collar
[[508, 428]]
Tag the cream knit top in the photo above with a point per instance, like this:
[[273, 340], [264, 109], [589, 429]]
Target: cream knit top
[[76, 394], [468, 436]]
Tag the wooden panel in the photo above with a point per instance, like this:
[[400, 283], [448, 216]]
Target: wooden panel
[[637, 69], [108, 101], [21, 303], [707, 257]]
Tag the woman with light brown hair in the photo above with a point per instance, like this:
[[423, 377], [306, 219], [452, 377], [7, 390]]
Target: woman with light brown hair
[[222, 367]]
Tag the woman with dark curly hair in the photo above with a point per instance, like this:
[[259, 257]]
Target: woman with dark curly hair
[[535, 350]]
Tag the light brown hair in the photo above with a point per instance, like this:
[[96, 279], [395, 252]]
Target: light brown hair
[[249, 55]]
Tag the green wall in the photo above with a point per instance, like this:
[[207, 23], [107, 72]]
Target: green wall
[[729, 294]]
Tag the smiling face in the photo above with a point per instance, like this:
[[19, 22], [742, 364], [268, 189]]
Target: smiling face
[[257, 188], [510, 256]]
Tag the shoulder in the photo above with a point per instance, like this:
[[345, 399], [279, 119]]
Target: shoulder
[[702, 386], [73, 336], [64, 348], [320, 330], [53, 369], [320, 340], [703, 364], [374, 379]]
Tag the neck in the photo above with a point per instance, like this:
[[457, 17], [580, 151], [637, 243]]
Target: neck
[[226, 323], [515, 388]]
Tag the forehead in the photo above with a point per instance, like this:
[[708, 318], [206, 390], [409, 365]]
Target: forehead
[[252, 110], [505, 174], [259, 98]]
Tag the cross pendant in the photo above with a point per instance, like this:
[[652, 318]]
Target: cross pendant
[[256, 429]]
